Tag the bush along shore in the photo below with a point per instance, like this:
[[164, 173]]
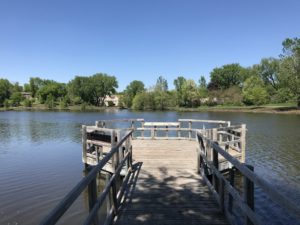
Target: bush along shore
[[272, 85]]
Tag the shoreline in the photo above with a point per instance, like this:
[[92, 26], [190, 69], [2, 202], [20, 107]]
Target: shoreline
[[245, 109]]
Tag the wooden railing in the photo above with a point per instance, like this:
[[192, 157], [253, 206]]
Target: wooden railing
[[110, 191], [224, 190], [182, 129]]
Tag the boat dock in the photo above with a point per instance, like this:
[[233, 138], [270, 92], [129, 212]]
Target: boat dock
[[182, 172]]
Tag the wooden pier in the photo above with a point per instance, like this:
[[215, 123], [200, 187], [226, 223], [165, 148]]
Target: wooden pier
[[168, 189], [181, 172]]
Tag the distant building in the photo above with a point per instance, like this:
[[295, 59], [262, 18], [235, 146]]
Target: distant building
[[26, 95], [112, 100]]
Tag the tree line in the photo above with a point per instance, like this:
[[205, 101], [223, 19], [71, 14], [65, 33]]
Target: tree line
[[273, 80]]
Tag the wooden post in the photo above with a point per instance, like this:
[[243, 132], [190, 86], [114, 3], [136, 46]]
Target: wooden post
[[216, 165], [132, 125], [249, 194], [92, 196], [243, 142], [142, 129], [108, 204], [167, 132], [84, 150], [178, 130], [190, 130], [230, 198], [155, 134]]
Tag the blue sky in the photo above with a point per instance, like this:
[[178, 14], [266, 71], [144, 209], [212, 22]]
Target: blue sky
[[139, 40]]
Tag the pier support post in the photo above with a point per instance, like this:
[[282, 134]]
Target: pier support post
[[249, 194], [84, 150], [230, 198], [243, 142], [190, 130]]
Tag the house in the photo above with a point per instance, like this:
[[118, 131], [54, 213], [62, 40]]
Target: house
[[112, 100], [26, 95]]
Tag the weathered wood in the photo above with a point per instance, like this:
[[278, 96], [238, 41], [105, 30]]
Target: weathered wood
[[269, 190], [84, 147], [69, 199], [168, 189], [249, 194], [243, 142]]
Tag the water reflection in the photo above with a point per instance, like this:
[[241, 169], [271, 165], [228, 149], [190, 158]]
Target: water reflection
[[40, 156]]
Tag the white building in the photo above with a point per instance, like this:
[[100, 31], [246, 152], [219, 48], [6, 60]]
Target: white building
[[114, 99]]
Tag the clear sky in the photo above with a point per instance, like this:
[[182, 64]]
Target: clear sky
[[139, 40]]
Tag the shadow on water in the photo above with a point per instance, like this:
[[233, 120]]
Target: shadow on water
[[168, 198]]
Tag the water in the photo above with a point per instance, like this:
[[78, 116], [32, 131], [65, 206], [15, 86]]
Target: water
[[40, 158]]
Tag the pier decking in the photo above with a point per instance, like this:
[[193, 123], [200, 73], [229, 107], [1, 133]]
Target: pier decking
[[182, 172], [168, 189]]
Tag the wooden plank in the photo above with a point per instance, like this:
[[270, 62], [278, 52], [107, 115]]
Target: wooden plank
[[161, 124], [168, 189]]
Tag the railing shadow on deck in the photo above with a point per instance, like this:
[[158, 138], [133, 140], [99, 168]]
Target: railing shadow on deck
[[157, 200]]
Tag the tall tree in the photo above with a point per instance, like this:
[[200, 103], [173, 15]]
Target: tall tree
[[179, 83], [132, 90], [269, 72], [226, 76], [254, 92], [5, 90], [93, 89], [161, 84], [290, 66]]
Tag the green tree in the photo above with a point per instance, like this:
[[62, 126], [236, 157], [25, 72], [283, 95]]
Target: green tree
[[226, 76], [5, 90], [55, 89], [290, 66], [93, 89], [131, 91], [16, 98], [190, 93], [178, 83], [254, 92], [35, 83], [161, 84], [269, 72]]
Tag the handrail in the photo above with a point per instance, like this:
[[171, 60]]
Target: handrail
[[273, 193], [69, 199]]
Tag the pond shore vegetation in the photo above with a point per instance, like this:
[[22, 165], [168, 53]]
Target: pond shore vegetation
[[272, 83]]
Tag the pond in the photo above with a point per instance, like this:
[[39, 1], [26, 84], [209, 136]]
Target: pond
[[40, 158]]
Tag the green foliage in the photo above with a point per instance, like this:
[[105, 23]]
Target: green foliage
[[55, 89], [93, 89], [290, 67], [269, 72], [50, 102], [5, 90], [190, 95], [131, 91], [6, 104], [161, 84], [254, 93], [27, 103], [226, 76], [16, 98], [83, 106]]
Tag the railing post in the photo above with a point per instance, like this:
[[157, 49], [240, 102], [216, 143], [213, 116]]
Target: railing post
[[84, 150], [167, 132], [190, 130], [249, 194], [216, 165], [178, 130], [142, 129], [243, 142], [155, 134], [230, 198], [92, 197]]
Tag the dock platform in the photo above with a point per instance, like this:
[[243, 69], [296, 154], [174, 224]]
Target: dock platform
[[167, 188]]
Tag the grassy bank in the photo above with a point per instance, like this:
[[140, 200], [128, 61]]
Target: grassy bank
[[284, 108]]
